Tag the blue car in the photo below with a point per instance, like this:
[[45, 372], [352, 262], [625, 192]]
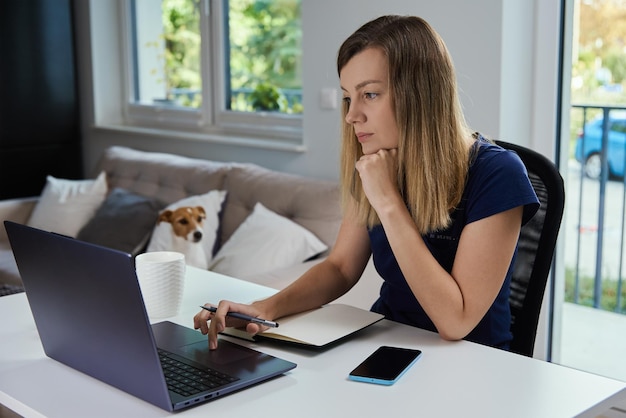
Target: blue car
[[591, 137]]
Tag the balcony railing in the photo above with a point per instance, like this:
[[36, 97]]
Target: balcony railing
[[600, 204]]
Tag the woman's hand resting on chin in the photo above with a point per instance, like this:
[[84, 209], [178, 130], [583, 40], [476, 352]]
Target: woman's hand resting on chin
[[379, 178]]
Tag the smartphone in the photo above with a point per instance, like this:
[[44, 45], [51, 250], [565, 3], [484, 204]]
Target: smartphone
[[385, 365]]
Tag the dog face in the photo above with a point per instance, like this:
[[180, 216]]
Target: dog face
[[186, 222]]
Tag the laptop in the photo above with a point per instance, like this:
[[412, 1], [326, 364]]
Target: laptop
[[90, 315]]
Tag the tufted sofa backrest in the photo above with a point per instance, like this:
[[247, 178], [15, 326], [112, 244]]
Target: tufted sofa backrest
[[309, 202]]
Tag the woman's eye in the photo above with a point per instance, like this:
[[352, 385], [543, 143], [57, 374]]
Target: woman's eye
[[346, 100], [371, 95]]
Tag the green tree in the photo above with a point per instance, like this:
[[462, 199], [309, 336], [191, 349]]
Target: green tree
[[265, 44], [182, 46], [615, 61], [602, 34], [264, 39]]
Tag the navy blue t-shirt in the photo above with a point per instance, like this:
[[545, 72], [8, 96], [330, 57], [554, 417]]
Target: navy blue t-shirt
[[497, 181]]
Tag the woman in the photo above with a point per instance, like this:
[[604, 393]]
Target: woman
[[438, 207]]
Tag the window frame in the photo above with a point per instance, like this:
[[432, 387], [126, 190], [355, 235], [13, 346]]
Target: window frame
[[212, 121]]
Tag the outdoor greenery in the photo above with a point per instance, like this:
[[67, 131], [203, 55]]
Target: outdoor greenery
[[265, 54], [599, 65], [600, 60], [608, 300], [265, 51], [267, 97], [181, 32]]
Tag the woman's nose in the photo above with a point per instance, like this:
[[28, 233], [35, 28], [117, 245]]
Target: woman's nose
[[353, 115]]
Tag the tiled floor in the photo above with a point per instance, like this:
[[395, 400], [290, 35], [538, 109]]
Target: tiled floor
[[594, 340]]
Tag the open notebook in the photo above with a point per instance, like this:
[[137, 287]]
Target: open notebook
[[317, 327]]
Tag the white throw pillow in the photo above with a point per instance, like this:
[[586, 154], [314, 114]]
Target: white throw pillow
[[197, 254], [265, 241], [65, 206]]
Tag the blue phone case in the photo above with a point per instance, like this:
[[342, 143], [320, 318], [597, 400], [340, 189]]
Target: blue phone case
[[385, 366]]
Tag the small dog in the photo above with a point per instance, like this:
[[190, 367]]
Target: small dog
[[187, 223]]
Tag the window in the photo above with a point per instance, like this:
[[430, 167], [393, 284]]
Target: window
[[226, 68]]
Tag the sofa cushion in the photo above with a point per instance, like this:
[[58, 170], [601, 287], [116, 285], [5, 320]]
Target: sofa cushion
[[167, 177], [265, 241], [164, 239], [18, 210], [65, 206], [124, 222], [311, 203]]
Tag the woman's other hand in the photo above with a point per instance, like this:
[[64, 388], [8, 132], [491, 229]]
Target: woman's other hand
[[212, 323]]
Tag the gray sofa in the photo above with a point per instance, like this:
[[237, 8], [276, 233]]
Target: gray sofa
[[311, 203]]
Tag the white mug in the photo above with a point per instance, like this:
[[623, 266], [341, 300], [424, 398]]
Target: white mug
[[161, 276]]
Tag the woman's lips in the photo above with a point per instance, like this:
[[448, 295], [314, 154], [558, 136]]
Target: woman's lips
[[363, 136]]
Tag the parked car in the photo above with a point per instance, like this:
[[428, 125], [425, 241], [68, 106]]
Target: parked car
[[591, 137]]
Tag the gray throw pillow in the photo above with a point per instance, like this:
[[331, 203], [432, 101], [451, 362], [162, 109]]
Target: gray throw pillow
[[124, 222]]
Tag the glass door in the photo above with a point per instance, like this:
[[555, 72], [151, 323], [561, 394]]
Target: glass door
[[591, 331]]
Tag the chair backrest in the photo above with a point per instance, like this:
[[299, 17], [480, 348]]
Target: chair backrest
[[535, 248]]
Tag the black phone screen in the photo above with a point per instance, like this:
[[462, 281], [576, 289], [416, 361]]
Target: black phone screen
[[386, 364]]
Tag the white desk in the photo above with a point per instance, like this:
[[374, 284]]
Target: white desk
[[452, 379]]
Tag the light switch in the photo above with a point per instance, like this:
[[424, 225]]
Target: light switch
[[328, 98]]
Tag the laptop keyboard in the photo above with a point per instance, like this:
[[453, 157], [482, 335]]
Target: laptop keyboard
[[187, 380]]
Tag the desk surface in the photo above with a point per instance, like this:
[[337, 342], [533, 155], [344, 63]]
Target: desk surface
[[452, 379]]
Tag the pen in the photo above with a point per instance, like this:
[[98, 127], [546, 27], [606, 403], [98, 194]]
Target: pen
[[245, 317]]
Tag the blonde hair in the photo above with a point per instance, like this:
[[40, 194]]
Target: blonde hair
[[433, 156]]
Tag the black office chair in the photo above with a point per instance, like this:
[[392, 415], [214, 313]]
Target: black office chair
[[535, 249]]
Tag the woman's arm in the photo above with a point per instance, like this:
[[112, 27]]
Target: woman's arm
[[457, 301], [321, 284], [328, 280]]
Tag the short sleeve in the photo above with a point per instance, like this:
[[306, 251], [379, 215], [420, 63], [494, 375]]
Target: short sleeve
[[498, 182]]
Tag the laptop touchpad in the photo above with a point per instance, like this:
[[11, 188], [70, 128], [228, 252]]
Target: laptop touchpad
[[226, 352]]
